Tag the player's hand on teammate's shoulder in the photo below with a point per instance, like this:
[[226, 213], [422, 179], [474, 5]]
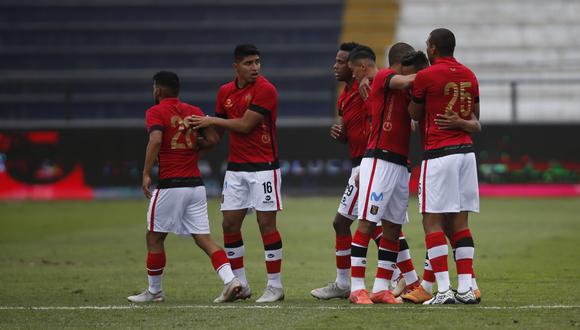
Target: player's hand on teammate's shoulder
[[364, 88], [337, 132], [146, 185]]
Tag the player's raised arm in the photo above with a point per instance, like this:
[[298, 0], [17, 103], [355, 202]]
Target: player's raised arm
[[153, 146], [401, 82]]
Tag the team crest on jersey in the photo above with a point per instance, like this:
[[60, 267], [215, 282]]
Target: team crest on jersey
[[265, 138], [229, 103], [387, 126], [374, 210]]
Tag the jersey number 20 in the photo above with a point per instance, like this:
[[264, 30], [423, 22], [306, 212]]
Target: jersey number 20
[[177, 122]]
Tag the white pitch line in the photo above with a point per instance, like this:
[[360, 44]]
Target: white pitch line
[[136, 307]]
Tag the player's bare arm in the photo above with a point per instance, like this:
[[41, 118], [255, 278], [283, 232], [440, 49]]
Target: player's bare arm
[[416, 110], [401, 82], [364, 88], [451, 120], [153, 146], [242, 125], [208, 137], [338, 132]]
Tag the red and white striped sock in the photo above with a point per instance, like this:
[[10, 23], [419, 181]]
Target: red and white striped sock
[[464, 250], [358, 261], [428, 276], [377, 234], [155, 266], [234, 246], [273, 256], [388, 251], [222, 266], [404, 261], [438, 251], [343, 260]]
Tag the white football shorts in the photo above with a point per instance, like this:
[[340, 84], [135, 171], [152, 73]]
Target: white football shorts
[[448, 184], [348, 206], [259, 190], [182, 211], [384, 191]]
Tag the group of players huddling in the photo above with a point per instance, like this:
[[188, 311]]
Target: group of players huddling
[[378, 111]]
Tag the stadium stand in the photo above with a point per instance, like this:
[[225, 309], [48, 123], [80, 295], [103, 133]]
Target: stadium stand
[[525, 52], [372, 23], [92, 61]]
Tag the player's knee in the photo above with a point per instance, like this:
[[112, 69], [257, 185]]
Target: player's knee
[[391, 231], [230, 226], [341, 224], [366, 227]]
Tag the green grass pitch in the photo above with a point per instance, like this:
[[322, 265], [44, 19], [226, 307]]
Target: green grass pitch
[[66, 255]]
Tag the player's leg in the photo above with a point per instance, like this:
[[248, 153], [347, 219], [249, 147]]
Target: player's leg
[[358, 261], [340, 288], [195, 222], [222, 266], [388, 251], [346, 214], [405, 264], [394, 180], [160, 218], [439, 195], [265, 192], [462, 241], [469, 197], [370, 209], [235, 203]]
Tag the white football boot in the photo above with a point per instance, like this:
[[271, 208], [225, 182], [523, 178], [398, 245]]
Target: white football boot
[[332, 290], [271, 294], [147, 296]]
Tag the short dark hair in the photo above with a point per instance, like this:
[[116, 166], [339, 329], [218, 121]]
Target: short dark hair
[[243, 50], [362, 52], [348, 46], [169, 80], [443, 40], [417, 59], [397, 52]]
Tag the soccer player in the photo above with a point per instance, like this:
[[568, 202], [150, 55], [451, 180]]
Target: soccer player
[[445, 101], [248, 106], [352, 129], [363, 64], [384, 179], [179, 204]]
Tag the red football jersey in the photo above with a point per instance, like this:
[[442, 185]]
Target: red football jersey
[[447, 85], [178, 153], [256, 150], [390, 120], [355, 120]]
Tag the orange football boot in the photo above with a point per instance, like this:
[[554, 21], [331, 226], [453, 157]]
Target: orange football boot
[[385, 297], [418, 295], [360, 297]]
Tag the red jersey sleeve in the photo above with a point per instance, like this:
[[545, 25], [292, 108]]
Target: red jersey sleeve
[[420, 88], [264, 100], [153, 120], [475, 90], [219, 109]]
